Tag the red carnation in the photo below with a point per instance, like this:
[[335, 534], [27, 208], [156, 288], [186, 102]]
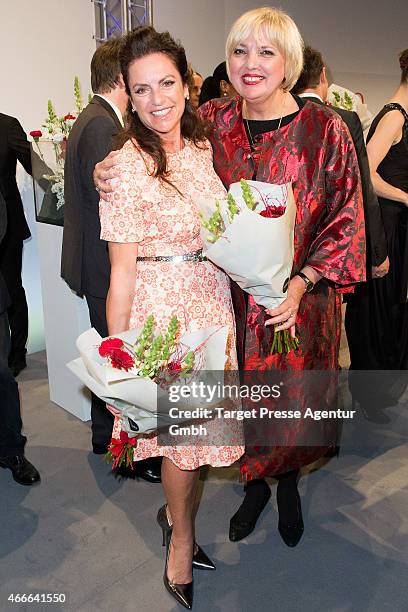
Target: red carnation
[[174, 366], [109, 345], [272, 212], [68, 117], [36, 134], [121, 360]]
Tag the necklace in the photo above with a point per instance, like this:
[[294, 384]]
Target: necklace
[[251, 139]]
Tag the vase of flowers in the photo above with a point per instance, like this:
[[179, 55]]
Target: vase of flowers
[[48, 158]]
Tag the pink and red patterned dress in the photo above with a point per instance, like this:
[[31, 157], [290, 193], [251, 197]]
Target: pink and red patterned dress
[[153, 214]]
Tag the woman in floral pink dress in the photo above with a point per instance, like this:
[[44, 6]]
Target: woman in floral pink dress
[[153, 230]]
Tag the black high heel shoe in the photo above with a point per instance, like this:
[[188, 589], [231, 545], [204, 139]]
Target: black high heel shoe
[[243, 522], [200, 559], [182, 593], [290, 530]]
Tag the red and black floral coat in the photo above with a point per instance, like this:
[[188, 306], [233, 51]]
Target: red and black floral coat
[[316, 154]]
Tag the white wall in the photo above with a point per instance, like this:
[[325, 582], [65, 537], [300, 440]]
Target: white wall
[[43, 45], [199, 24]]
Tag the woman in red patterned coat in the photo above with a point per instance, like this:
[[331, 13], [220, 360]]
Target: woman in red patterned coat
[[267, 134]]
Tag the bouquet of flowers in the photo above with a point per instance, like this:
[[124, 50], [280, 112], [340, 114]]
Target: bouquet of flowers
[[250, 235], [50, 146], [133, 370], [345, 98]]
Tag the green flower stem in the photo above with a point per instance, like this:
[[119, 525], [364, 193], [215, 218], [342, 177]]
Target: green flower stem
[[283, 342], [154, 353], [232, 208], [215, 224], [248, 195], [77, 95], [188, 362], [144, 340]]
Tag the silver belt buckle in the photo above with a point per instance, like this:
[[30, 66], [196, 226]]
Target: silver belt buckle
[[194, 256]]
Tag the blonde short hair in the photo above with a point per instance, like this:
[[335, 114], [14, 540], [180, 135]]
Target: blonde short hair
[[281, 31]]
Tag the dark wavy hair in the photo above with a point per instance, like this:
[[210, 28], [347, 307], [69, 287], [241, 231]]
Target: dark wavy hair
[[403, 60], [211, 86], [139, 43]]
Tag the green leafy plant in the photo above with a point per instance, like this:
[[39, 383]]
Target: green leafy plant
[[77, 95], [248, 195], [215, 224], [345, 101], [348, 101]]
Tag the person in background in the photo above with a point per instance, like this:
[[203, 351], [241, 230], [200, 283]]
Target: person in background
[[14, 147], [85, 260], [194, 86], [12, 442], [313, 85], [217, 85], [381, 314]]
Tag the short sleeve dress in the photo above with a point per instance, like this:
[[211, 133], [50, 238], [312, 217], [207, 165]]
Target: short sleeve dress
[[164, 221]]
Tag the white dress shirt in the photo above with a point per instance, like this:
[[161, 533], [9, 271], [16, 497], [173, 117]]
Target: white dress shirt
[[309, 94]]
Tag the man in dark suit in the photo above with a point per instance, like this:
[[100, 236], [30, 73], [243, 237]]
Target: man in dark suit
[[12, 441], [14, 146], [85, 260], [313, 85]]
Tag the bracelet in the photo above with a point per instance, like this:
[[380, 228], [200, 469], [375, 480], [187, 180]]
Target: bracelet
[[309, 284]]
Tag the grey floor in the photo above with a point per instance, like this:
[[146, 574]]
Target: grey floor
[[93, 538]]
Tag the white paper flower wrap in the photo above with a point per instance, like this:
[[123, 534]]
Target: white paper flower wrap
[[255, 251], [133, 396], [364, 114]]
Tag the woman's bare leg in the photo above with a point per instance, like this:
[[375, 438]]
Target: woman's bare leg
[[180, 488]]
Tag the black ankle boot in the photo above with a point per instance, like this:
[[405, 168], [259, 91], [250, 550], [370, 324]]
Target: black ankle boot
[[290, 525], [257, 494]]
